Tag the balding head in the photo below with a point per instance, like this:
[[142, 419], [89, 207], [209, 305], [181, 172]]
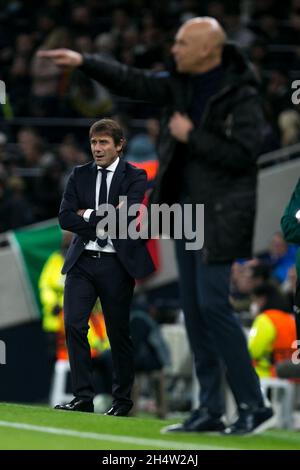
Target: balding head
[[198, 45]]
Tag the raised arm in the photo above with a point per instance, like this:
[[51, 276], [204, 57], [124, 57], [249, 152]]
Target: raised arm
[[119, 78]]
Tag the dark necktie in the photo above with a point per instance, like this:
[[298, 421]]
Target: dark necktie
[[103, 187], [102, 199]]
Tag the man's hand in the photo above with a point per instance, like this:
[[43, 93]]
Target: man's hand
[[62, 57], [81, 212], [120, 205], [180, 125]]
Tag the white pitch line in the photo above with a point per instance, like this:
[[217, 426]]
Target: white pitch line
[[112, 437]]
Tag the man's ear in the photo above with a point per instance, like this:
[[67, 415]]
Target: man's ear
[[206, 49], [121, 146]]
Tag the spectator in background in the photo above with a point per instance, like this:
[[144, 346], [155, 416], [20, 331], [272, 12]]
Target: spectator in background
[[151, 353], [278, 93], [140, 149], [6, 159], [281, 257], [24, 28], [49, 82], [31, 148], [15, 211], [45, 22], [289, 125], [24, 45], [30, 154], [150, 349], [120, 23], [82, 22], [273, 331], [19, 86], [216, 9], [246, 276], [129, 46], [83, 44], [70, 154], [48, 188], [142, 154], [51, 287], [238, 32], [105, 45], [149, 54], [152, 126]]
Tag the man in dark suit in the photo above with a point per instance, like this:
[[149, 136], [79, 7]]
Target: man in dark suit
[[101, 267]]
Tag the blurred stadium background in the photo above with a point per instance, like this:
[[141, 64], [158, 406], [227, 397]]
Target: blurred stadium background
[[43, 134]]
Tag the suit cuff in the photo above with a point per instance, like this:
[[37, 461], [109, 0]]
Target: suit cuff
[[87, 214]]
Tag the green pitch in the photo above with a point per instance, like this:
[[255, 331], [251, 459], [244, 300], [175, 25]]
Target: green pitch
[[33, 427]]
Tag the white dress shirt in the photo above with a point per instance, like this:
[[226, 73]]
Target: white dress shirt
[[93, 245]]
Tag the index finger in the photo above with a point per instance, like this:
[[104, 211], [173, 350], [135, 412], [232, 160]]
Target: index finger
[[53, 54]]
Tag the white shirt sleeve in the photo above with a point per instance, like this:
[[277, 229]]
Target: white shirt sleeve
[[87, 214]]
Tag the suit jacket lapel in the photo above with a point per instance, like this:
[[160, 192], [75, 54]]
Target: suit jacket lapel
[[91, 186], [114, 189]]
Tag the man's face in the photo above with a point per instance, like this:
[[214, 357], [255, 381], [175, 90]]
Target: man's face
[[187, 50], [104, 149]]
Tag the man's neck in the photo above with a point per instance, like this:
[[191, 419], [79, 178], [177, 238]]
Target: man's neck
[[207, 67], [112, 166]]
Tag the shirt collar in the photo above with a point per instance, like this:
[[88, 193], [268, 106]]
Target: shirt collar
[[111, 167]]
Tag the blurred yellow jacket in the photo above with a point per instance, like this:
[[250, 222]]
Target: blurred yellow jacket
[[51, 287]]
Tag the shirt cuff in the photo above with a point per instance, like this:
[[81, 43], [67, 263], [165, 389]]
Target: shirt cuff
[[87, 214]]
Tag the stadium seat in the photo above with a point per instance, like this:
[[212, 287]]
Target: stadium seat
[[281, 394]]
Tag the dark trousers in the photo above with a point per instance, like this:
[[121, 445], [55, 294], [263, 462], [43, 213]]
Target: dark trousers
[[214, 333], [107, 279], [103, 372]]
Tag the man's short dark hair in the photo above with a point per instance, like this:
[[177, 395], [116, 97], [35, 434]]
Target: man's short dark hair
[[262, 271], [108, 127]]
